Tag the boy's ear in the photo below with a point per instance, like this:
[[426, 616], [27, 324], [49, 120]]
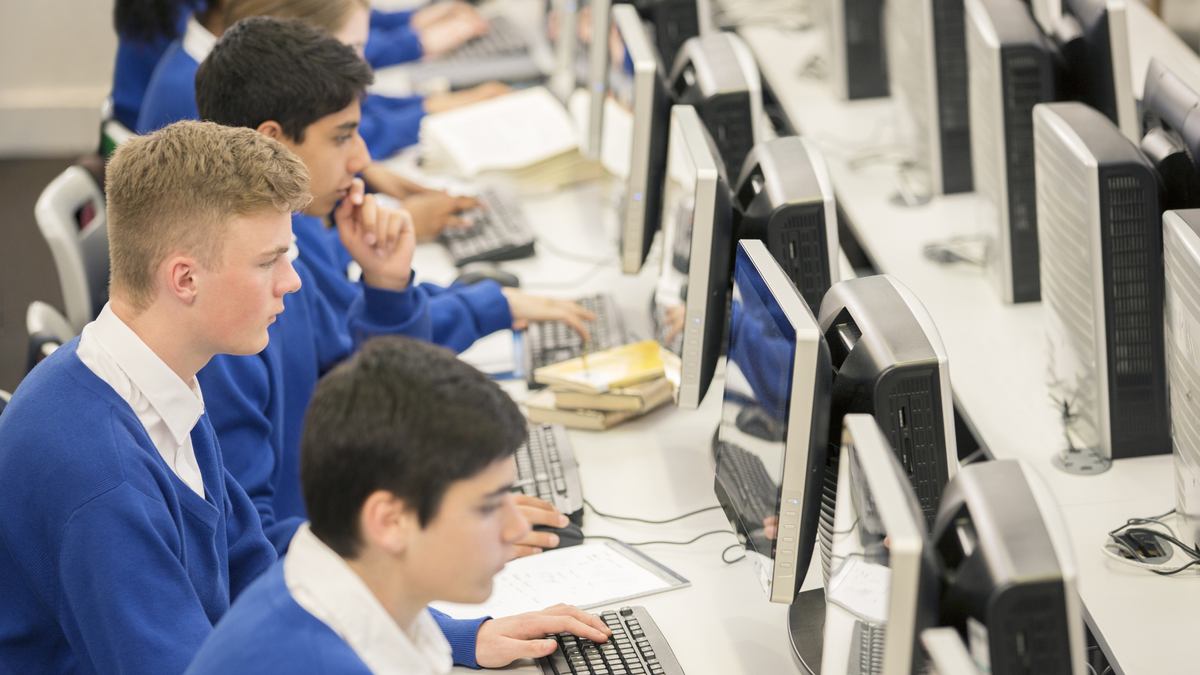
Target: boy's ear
[[387, 522], [180, 272], [272, 129]]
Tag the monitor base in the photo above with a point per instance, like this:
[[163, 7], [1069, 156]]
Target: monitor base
[[806, 628], [1081, 461]]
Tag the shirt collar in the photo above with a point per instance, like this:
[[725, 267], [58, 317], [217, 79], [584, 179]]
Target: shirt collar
[[179, 404], [323, 584], [197, 41]]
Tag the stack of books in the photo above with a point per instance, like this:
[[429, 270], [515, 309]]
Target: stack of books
[[601, 389]]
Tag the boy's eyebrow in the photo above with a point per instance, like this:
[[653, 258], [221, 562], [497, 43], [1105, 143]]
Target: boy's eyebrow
[[275, 251], [499, 493], [347, 126]]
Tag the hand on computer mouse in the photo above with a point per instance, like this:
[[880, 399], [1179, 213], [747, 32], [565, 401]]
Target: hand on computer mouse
[[499, 642], [538, 512], [526, 308]]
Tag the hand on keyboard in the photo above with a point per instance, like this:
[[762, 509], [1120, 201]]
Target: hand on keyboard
[[538, 512], [446, 26], [502, 641], [379, 239], [526, 308], [432, 211]]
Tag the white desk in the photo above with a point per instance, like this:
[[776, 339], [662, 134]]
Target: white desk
[[1145, 623], [653, 467]]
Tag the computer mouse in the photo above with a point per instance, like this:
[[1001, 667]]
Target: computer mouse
[[757, 422], [476, 274], [570, 535]]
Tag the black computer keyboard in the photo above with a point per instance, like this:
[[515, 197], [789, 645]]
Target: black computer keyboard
[[663, 328], [499, 232], [547, 342], [546, 469], [503, 39], [636, 647], [748, 483]]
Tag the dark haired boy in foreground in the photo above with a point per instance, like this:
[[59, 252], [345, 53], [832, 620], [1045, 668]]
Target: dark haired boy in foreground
[[407, 467]]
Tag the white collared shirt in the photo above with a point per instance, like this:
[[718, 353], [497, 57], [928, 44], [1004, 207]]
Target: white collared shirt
[[166, 405], [326, 587], [197, 40]]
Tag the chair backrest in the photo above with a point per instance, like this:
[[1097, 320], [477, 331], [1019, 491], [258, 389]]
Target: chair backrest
[[48, 330], [71, 216]]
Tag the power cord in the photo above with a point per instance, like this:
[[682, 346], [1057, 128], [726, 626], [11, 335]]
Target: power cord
[[670, 543], [956, 250], [643, 520], [1125, 553], [730, 562]]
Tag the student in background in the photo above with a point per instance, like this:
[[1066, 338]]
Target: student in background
[[124, 538], [260, 409], [145, 28], [391, 123], [407, 468]]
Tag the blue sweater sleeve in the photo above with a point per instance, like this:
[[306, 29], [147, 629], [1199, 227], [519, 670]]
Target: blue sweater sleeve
[[390, 124], [241, 394], [390, 46], [389, 20], [135, 606], [462, 635], [462, 314], [171, 94], [382, 312], [249, 556]]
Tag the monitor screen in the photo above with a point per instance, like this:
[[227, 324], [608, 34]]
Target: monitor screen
[[771, 448], [636, 117], [883, 589]]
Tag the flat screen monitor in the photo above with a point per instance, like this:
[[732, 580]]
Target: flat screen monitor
[[1100, 241], [637, 85], [771, 450], [889, 362], [672, 22], [597, 76], [1104, 63], [1011, 70], [926, 45], [883, 589], [1171, 116], [785, 198], [564, 34], [1010, 584], [1181, 254], [689, 300], [855, 49]]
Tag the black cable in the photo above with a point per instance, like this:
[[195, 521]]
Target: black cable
[[730, 562], [847, 530], [949, 251], [671, 543], [643, 520]]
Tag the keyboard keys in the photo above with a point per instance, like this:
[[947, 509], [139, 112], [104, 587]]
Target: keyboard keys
[[620, 655]]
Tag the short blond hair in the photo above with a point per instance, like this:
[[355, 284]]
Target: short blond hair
[[328, 15], [177, 189]]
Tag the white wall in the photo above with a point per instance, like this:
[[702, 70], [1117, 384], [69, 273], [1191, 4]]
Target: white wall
[[56, 59]]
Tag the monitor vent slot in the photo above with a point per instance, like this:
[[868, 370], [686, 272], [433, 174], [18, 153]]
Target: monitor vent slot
[[1065, 243], [800, 246], [1038, 613], [1135, 310], [912, 423], [954, 117], [828, 508], [1025, 77]]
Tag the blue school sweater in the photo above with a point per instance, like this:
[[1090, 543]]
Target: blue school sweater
[[136, 59], [109, 562], [257, 403], [268, 632], [459, 315], [391, 39], [388, 124]]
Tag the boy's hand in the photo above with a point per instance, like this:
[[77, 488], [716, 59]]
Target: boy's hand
[[538, 512], [381, 240], [526, 308], [432, 211], [449, 29], [502, 641]]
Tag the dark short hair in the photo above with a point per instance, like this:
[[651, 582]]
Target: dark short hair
[[285, 70], [403, 416]]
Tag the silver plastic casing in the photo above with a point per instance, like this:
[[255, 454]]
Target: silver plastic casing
[[785, 183], [597, 77], [909, 591], [1020, 557], [643, 199], [1082, 163], [898, 340], [1010, 71], [705, 312], [1048, 14], [709, 69], [1181, 253], [855, 47]]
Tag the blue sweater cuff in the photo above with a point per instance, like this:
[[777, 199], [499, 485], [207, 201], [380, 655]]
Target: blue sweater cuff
[[387, 307], [462, 634], [389, 47], [488, 305]]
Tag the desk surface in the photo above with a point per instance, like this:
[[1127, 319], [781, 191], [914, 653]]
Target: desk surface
[[654, 467], [1145, 623]]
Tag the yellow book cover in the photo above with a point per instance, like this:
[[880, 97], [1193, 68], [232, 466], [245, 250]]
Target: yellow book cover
[[542, 410], [599, 372]]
